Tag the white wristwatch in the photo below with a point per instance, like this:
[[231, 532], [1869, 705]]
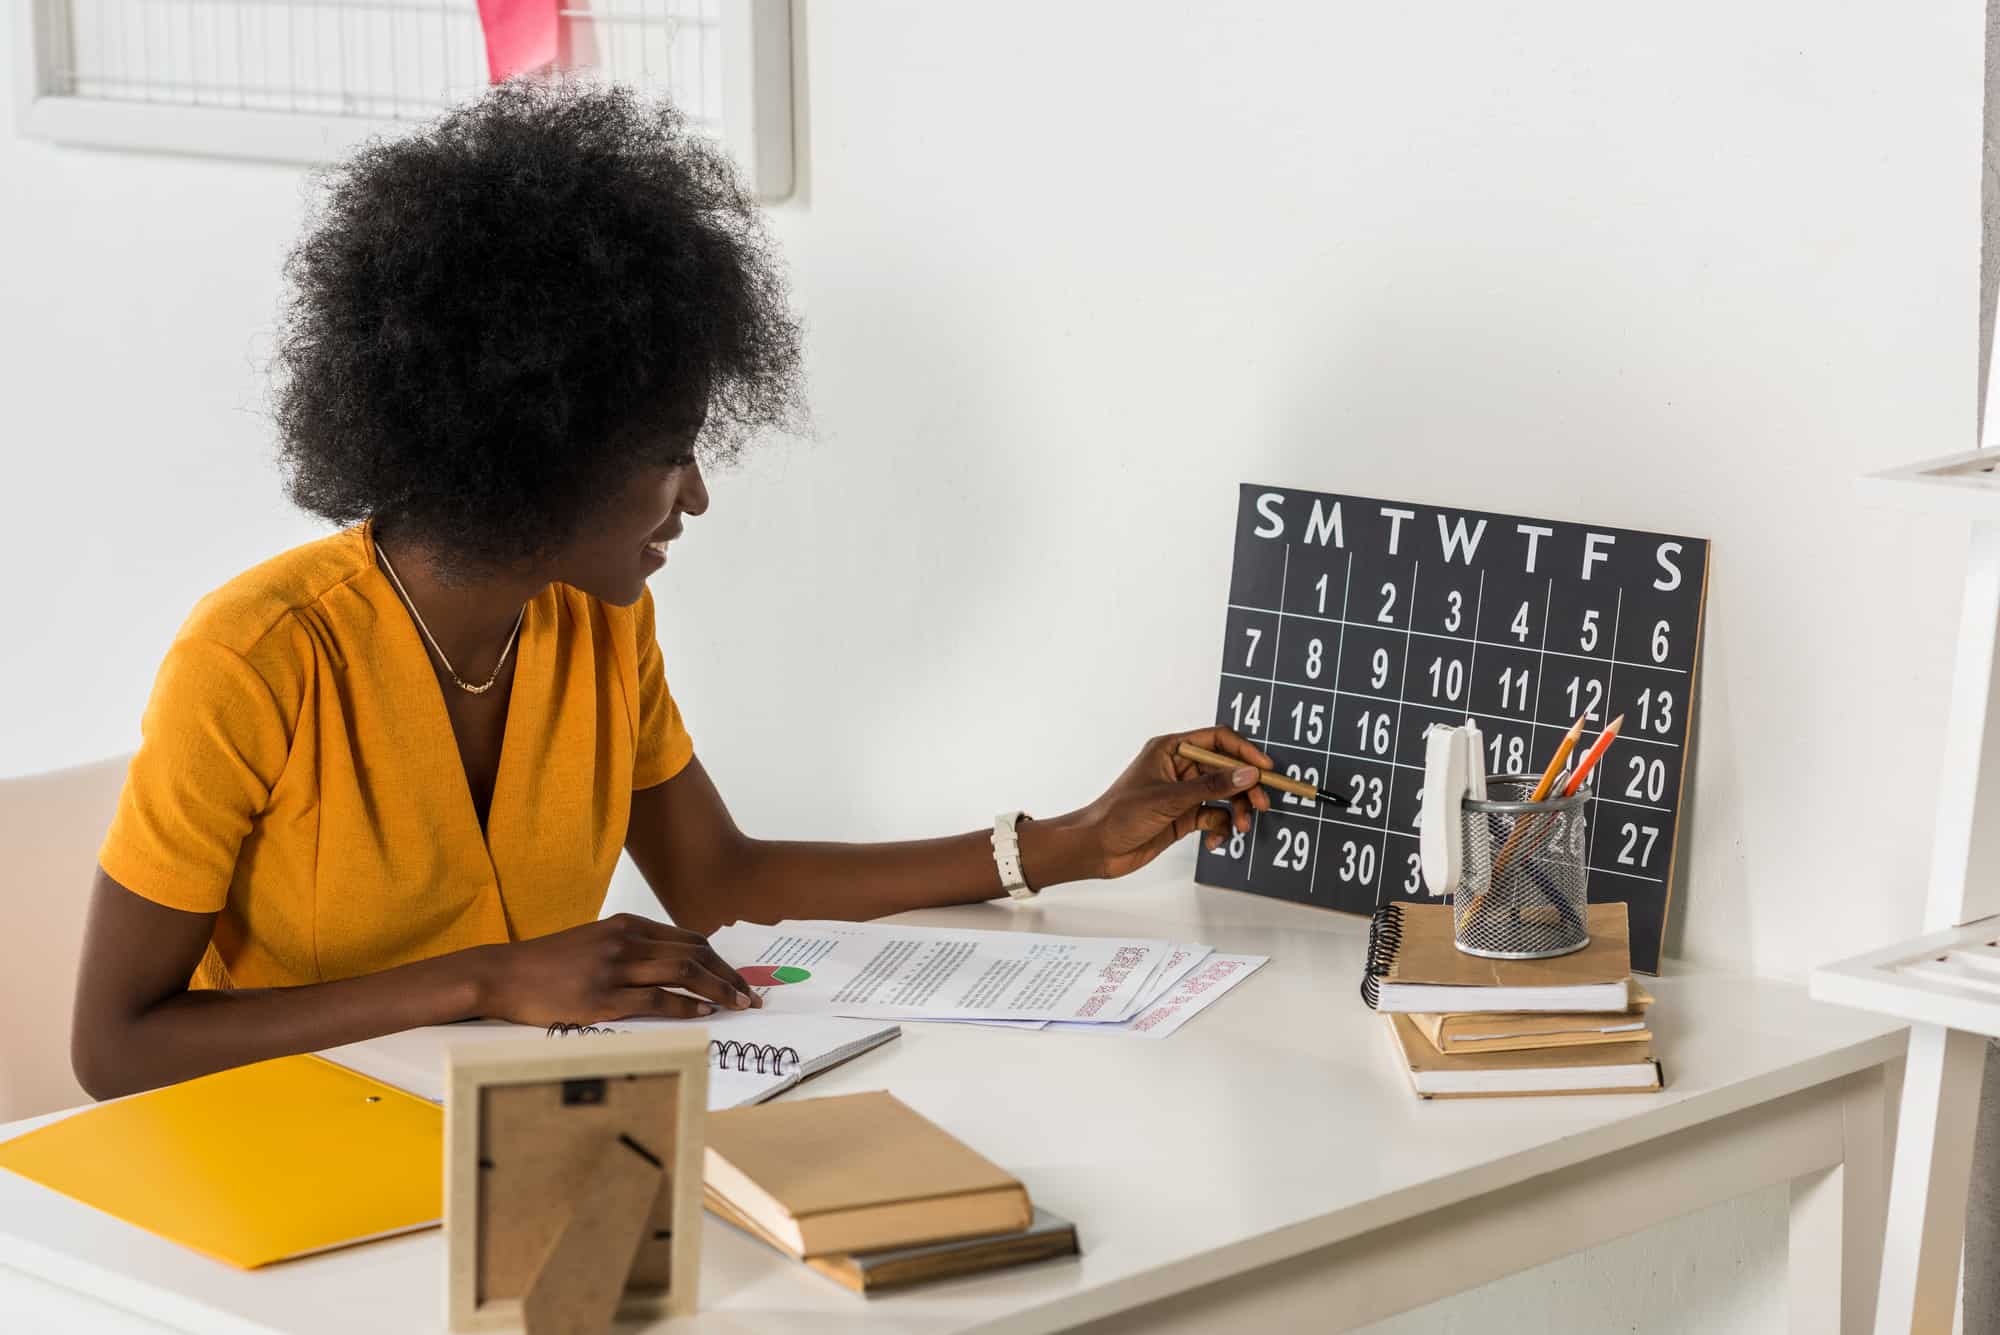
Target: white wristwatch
[[1007, 854]]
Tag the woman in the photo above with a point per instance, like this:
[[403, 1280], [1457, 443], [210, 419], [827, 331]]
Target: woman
[[385, 776]]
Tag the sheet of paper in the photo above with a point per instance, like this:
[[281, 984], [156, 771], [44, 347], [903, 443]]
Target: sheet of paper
[[1183, 958], [1195, 992], [886, 971], [844, 927], [1179, 963]]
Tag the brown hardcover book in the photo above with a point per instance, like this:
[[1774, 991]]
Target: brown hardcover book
[[1048, 1236], [856, 1173], [1414, 967], [1614, 1068], [1486, 1031]]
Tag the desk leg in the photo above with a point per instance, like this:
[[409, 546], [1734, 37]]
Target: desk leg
[[1836, 1220], [1933, 1166]]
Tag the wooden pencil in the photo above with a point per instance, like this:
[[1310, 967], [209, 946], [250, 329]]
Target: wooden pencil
[[1305, 792]]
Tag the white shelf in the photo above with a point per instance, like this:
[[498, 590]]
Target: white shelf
[[1966, 485], [1875, 982]]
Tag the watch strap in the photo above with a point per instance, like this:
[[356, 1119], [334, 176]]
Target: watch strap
[[1007, 854]]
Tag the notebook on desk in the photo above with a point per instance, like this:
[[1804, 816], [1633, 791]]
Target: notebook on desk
[[856, 1173], [1047, 1235], [1481, 1031], [1606, 1068], [1413, 965], [755, 1055]]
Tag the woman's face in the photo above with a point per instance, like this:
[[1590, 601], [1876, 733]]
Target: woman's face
[[626, 540]]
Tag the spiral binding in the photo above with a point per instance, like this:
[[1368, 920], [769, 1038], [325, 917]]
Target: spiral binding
[[770, 1058], [743, 1054], [1385, 935]]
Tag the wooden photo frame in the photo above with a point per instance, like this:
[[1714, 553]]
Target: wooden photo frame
[[573, 1180]]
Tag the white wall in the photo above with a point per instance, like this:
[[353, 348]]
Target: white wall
[[1072, 272]]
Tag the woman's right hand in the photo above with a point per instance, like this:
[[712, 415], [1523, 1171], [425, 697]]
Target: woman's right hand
[[609, 970]]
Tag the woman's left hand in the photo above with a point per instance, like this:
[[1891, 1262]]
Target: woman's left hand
[[1153, 804]]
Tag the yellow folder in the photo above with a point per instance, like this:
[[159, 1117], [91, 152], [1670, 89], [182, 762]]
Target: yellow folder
[[252, 1165]]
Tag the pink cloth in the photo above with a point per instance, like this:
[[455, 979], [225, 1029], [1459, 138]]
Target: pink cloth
[[520, 35]]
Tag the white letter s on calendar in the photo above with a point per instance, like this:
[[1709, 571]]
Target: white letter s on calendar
[[1267, 506], [1673, 579]]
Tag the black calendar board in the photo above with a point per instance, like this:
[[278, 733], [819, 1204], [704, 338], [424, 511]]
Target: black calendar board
[[1354, 624]]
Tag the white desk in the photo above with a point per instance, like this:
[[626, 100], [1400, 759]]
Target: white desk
[[1267, 1162]]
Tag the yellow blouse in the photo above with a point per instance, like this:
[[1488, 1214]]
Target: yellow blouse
[[299, 775]]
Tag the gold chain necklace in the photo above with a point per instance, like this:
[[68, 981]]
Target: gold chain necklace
[[451, 672]]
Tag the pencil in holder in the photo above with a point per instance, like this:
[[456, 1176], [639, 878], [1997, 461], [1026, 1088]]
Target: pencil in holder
[[1521, 894]]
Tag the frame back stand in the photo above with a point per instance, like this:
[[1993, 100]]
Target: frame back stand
[[573, 1180]]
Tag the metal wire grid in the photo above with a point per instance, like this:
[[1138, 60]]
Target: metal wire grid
[[1522, 893], [382, 59]]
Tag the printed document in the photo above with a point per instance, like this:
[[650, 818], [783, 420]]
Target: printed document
[[885, 971]]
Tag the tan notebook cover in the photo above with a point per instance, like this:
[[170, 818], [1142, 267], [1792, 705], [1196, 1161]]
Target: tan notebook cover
[[857, 1172], [1514, 1031], [871, 1272], [1427, 955], [1540, 1072]]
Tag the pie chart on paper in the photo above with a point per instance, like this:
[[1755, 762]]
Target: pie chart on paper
[[772, 975]]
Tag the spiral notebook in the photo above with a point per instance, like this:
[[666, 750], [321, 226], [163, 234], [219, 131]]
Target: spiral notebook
[[756, 1056], [1413, 965]]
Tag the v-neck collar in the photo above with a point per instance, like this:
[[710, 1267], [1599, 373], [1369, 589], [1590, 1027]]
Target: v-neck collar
[[440, 746]]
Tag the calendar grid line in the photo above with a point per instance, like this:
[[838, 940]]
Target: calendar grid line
[[1274, 682], [1629, 875], [1352, 825], [1610, 694], [1472, 663], [1343, 755], [1346, 588], [1542, 663], [1277, 639], [1622, 802], [1396, 738], [1460, 639], [1611, 680]]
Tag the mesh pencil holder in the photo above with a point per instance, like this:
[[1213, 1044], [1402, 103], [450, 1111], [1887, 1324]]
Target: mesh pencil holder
[[1521, 892]]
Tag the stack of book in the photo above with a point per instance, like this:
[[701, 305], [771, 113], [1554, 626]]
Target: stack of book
[[1468, 1027], [870, 1193]]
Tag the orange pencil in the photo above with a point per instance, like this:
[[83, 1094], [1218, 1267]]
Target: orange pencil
[[1563, 749], [1592, 756], [1549, 777]]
